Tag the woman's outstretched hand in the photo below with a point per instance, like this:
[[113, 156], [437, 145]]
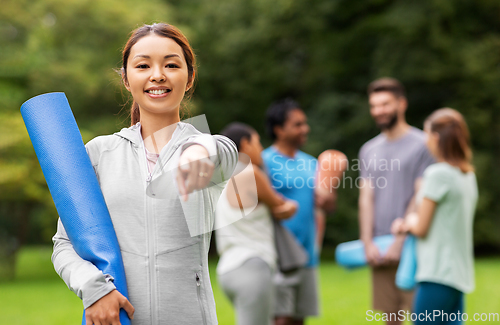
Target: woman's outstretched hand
[[106, 310], [195, 170]]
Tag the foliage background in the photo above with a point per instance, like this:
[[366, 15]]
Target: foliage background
[[251, 52]]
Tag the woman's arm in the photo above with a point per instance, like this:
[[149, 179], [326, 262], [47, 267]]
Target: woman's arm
[[417, 223], [281, 208], [101, 300], [81, 276]]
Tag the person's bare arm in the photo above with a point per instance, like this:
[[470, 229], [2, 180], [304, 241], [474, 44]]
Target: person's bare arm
[[412, 206], [394, 251], [281, 208], [420, 223], [366, 221], [265, 192], [417, 223], [393, 254], [320, 216]]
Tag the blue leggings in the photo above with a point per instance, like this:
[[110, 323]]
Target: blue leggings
[[443, 302]]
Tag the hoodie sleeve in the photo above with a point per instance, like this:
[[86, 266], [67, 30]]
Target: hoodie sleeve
[[81, 276], [221, 150]]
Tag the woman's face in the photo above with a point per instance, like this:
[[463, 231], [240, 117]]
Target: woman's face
[[157, 74]]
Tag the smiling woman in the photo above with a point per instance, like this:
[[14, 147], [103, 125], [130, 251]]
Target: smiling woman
[[166, 266], [150, 60]]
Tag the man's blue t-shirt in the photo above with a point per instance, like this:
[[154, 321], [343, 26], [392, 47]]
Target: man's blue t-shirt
[[295, 179]]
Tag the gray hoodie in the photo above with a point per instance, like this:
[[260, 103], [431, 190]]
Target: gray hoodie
[[163, 241]]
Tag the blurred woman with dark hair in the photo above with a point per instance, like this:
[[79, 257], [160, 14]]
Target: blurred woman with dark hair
[[245, 241], [444, 220]]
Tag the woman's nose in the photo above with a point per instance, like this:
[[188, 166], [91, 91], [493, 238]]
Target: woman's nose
[[157, 75]]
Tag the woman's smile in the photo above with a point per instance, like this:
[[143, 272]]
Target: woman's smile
[[158, 92]]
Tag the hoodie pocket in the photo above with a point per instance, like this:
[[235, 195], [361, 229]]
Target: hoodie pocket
[[178, 291]]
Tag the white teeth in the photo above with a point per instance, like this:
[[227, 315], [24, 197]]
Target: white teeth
[[157, 91]]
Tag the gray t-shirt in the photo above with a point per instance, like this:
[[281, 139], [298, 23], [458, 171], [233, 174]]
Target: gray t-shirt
[[393, 167]]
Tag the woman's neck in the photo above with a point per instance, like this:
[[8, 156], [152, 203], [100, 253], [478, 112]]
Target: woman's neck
[[157, 129]]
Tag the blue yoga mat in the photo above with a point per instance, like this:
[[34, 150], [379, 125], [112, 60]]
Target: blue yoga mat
[[352, 255], [73, 185], [405, 277]]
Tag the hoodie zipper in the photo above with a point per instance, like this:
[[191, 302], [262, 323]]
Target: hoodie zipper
[[198, 275], [151, 260], [150, 240], [151, 257], [200, 302], [150, 229]]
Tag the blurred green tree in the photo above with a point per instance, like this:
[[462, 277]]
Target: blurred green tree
[[324, 53], [70, 46], [251, 52]]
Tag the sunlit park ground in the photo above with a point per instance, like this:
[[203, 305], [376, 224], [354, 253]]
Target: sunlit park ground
[[38, 296]]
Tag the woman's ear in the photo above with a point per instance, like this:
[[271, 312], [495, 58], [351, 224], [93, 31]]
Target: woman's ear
[[190, 81], [124, 80]]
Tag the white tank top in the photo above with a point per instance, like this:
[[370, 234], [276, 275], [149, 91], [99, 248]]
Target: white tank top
[[250, 236]]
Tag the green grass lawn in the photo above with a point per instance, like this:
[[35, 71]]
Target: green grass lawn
[[38, 296]]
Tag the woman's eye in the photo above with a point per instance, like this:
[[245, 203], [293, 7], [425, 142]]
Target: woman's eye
[[172, 66], [142, 66]]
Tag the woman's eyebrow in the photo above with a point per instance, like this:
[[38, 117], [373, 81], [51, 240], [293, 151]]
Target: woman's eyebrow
[[148, 57]]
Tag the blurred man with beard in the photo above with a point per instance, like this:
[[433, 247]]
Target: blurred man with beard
[[391, 165], [292, 173]]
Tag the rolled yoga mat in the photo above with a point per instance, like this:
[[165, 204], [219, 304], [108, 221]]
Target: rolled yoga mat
[[73, 185], [405, 276], [352, 255]]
